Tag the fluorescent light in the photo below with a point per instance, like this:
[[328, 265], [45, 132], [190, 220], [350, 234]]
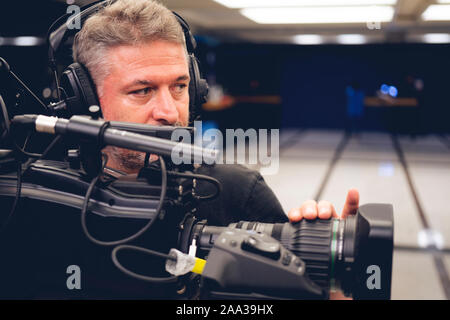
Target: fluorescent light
[[300, 3], [437, 13], [351, 39], [27, 41], [308, 39], [21, 41], [443, 1], [436, 38], [319, 15]]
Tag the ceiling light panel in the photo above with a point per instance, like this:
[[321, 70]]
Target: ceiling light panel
[[312, 15], [437, 12], [234, 4], [308, 39], [436, 38], [351, 39]]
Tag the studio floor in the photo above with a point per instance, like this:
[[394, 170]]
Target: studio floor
[[327, 163]]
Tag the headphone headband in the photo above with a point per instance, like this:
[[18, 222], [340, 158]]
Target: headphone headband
[[76, 81], [56, 38]]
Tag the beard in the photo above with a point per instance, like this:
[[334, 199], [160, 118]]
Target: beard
[[125, 159], [128, 161]]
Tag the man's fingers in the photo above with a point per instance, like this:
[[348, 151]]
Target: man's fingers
[[309, 209], [326, 210], [295, 215], [351, 203]]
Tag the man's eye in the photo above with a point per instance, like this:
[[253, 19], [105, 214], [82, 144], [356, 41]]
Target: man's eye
[[179, 88], [141, 92]]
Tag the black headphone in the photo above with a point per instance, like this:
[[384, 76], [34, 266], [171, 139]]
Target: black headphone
[[77, 84]]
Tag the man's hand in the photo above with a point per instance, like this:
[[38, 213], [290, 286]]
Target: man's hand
[[310, 209]]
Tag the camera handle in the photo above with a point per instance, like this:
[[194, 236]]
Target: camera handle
[[240, 260]]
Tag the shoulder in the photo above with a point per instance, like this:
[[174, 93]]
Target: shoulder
[[238, 181], [245, 195], [231, 173]]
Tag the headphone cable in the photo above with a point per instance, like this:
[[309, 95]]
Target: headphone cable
[[84, 209], [116, 262]]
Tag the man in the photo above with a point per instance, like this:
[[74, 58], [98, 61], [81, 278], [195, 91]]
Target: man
[[135, 52]]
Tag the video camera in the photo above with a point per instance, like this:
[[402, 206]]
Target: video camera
[[245, 260], [335, 254]]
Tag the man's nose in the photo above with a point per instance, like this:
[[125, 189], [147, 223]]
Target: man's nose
[[165, 110]]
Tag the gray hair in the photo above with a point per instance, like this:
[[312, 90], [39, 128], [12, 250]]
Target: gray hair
[[124, 22]]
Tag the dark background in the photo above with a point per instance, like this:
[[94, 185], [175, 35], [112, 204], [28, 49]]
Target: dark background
[[312, 80]]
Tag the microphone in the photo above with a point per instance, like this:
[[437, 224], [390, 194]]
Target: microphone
[[150, 130], [100, 133]]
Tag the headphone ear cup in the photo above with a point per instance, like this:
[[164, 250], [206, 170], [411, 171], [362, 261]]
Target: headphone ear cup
[[198, 87], [79, 88]]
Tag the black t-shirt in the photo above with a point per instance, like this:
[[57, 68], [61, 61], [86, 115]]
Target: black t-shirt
[[245, 196], [44, 239]]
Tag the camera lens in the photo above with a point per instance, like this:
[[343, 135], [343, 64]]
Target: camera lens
[[352, 255]]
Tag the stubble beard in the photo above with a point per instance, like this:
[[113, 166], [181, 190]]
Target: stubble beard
[[128, 161], [125, 160]]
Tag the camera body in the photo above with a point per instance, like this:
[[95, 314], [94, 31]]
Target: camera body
[[352, 255], [240, 261]]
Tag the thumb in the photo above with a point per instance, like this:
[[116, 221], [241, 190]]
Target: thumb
[[351, 203]]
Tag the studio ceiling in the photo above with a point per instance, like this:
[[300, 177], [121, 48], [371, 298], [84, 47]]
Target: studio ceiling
[[208, 17]]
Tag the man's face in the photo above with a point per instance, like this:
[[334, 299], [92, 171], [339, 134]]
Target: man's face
[[146, 84]]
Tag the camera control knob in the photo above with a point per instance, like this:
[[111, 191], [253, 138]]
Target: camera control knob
[[259, 246]]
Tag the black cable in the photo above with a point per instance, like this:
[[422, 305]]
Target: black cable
[[4, 114], [37, 156], [19, 185], [44, 154], [116, 262], [26, 141], [30, 92], [183, 175], [13, 132], [51, 145], [10, 130], [16, 199], [140, 232], [146, 161], [19, 180], [213, 181], [121, 247], [28, 154]]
